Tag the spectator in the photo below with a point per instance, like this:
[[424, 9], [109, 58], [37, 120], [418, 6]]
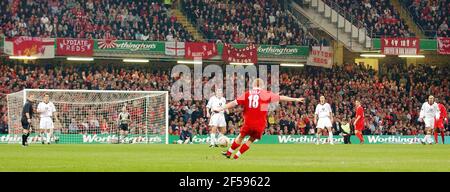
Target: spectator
[[73, 127], [345, 131], [185, 136]]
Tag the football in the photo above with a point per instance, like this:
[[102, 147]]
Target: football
[[223, 141]]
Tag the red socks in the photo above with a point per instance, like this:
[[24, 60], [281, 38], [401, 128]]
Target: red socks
[[360, 137], [442, 137], [242, 150], [436, 137], [233, 147]]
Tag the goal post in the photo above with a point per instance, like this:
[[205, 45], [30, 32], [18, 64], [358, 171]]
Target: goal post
[[91, 116]]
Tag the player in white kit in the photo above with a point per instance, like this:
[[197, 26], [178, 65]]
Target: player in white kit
[[217, 119], [46, 110], [325, 115], [428, 114]]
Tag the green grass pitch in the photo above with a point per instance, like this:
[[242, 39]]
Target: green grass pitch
[[193, 158]]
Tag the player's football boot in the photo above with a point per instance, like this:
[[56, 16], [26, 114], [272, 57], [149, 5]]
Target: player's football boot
[[224, 153]]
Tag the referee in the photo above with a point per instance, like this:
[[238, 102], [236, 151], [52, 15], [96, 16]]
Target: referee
[[27, 114]]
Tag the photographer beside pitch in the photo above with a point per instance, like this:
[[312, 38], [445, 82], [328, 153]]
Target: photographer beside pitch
[[345, 131], [27, 114], [185, 136]]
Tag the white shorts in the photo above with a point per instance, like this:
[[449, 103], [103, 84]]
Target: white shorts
[[323, 123], [46, 123], [429, 122], [217, 120]]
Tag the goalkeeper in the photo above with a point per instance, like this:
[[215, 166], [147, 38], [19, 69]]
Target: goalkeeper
[[124, 120]]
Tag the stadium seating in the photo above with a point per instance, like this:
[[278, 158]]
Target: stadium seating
[[387, 95], [432, 16], [261, 22], [377, 15], [128, 20]]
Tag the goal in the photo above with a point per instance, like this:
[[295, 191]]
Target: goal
[[91, 116]]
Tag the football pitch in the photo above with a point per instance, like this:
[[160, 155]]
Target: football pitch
[[196, 158]]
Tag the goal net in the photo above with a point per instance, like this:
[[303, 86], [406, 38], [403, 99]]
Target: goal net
[[88, 116]]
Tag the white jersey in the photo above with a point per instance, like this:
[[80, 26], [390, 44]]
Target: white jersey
[[323, 111], [429, 111], [46, 109], [215, 102]]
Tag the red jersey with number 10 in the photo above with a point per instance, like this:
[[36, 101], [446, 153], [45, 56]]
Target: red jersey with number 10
[[256, 104]]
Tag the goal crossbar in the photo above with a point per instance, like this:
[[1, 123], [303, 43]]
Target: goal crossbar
[[150, 109]]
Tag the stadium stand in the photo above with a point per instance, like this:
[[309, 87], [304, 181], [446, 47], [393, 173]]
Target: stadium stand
[[393, 91], [392, 96], [127, 20], [250, 21], [432, 16], [378, 16]]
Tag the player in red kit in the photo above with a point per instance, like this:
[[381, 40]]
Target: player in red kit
[[439, 123], [255, 103], [359, 121]]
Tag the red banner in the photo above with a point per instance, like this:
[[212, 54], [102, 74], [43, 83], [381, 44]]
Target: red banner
[[400, 46], [76, 47], [200, 50], [248, 54], [443, 45], [30, 46], [320, 56]]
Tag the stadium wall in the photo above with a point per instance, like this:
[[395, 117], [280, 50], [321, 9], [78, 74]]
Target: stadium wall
[[204, 139]]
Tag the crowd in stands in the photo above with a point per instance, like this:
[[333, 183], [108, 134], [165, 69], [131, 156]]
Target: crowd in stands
[[391, 97], [246, 21], [148, 20], [432, 16], [379, 16], [243, 21]]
